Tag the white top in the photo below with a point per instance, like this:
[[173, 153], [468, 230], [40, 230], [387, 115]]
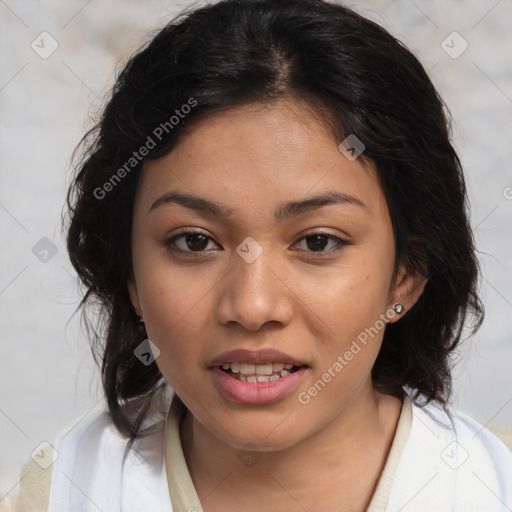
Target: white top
[[451, 462], [439, 461]]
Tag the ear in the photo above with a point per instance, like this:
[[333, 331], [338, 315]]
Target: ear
[[406, 290], [134, 296]]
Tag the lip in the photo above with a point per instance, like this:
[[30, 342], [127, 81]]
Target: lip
[[256, 393], [262, 356]]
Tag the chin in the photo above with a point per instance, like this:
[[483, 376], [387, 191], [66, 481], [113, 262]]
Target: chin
[[264, 433]]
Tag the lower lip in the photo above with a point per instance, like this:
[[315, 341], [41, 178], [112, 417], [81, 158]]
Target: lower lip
[[256, 393]]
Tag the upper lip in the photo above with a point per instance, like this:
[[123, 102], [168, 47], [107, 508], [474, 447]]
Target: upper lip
[[262, 356]]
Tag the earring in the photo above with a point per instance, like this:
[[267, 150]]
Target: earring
[[141, 321], [398, 308]]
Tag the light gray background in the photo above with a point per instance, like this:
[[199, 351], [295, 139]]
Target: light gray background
[[47, 377]]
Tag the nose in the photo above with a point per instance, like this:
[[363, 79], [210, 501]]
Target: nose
[[254, 294]]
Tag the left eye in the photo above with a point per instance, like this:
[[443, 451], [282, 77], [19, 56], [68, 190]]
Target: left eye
[[194, 242], [318, 241]]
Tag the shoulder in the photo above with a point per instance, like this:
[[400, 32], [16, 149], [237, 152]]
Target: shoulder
[[37, 474], [471, 437], [34, 484], [92, 466], [97, 468], [451, 462], [97, 429], [503, 433]]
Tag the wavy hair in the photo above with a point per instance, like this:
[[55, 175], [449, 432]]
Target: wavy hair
[[359, 80]]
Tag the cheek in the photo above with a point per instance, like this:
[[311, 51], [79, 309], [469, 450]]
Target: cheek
[[175, 304], [174, 323], [175, 315], [350, 297]]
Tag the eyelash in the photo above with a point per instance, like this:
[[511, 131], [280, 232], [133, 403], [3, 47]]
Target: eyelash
[[170, 244]]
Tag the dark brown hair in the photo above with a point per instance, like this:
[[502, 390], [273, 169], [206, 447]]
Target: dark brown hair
[[362, 81]]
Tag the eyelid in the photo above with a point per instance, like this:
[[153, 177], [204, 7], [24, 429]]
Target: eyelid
[[168, 241], [341, 242]]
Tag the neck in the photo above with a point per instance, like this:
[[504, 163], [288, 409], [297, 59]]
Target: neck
[[349, 455]]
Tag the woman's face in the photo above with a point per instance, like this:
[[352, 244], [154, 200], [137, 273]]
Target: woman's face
[[290, 262]]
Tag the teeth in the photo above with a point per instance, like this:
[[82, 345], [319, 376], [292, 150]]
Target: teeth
[[264, 369], [256, 369], [262, 378], [268, 372], [247, 369]]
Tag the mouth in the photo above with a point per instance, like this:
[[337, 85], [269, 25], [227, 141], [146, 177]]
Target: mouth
[[253, 373], [257, 377]]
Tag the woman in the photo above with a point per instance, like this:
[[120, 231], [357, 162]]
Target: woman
[[273, 223]]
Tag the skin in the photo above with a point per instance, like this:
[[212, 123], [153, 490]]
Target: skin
[[309, 304]]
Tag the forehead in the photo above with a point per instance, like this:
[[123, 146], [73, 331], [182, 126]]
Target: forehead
[[259, 155]]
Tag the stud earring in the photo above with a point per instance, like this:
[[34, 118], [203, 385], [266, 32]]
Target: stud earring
[[141, 321], [398, 308]]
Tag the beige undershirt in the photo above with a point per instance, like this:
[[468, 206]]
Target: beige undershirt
[[184, 497], [35, 482]]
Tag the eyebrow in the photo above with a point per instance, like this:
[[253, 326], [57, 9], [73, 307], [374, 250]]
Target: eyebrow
[[282, 212]]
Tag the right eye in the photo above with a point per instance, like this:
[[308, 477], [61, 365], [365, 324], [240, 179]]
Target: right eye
[[188, 243]]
